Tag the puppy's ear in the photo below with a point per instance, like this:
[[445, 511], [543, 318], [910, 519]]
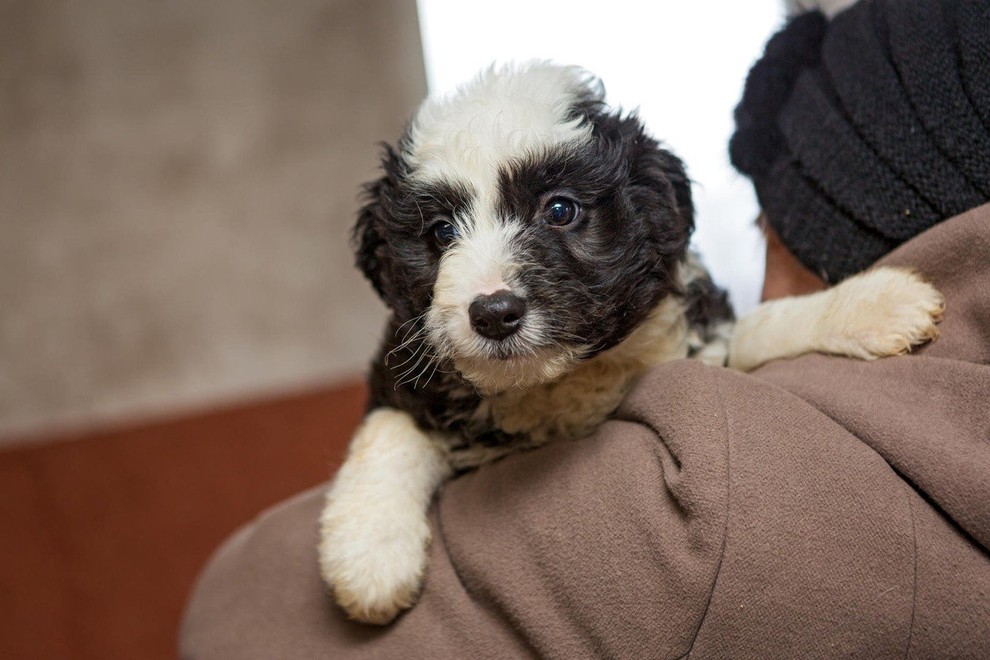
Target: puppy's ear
[[369, 246], [368, 236], [657, 168], [660, 189]]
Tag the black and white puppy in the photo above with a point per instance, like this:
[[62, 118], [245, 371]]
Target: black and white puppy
[[532, 246]]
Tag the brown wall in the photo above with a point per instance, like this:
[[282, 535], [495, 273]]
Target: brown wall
[[103, 535], [181, 327], [177, 180]]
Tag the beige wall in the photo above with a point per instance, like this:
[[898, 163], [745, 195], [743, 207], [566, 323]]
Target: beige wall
[[177, 180]]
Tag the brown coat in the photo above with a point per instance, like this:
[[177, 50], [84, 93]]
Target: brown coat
[[819, 507]]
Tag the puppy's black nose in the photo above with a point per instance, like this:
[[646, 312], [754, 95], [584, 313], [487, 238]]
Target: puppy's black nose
[[498, 315]]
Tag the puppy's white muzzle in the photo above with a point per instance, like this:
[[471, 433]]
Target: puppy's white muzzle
[[479, 317]]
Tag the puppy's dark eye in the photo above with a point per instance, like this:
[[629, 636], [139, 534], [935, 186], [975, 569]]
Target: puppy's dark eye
[[444, 233], [561, 211]]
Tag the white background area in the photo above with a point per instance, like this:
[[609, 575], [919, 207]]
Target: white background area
[[682, 64]]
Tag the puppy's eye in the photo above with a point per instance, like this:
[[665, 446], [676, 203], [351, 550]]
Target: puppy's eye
[[444, 233], [561, 212]]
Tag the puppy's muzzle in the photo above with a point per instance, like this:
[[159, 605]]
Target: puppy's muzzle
[[497, 315]]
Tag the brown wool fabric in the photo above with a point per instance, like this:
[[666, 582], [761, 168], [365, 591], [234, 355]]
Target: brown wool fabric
[[820, 507]]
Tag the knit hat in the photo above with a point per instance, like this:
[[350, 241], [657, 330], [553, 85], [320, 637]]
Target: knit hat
[[863, 131]]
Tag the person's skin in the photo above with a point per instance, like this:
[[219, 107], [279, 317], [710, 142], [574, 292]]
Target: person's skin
[[785, 275]]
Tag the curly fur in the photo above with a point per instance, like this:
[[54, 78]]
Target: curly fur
[[486, 159]]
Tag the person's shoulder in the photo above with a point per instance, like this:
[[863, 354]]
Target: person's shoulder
[[685, 394], [261, 589], [682, 499]]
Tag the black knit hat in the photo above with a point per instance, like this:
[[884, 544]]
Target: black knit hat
[[862, 132]]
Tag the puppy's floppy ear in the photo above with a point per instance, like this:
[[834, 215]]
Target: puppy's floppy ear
[[368, 238], [656, 168], [369, 246], [658, 187], [654, 171]]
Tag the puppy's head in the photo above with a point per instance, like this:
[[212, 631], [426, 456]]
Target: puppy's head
[[525, 225]]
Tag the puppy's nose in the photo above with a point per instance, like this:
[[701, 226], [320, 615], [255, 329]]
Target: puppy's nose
[[498, 315]]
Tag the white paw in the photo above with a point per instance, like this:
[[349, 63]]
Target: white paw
[[374, 531], [883, 312], [373, 560]]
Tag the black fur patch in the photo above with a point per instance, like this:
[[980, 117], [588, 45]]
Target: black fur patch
[[706, 307], [440, 399], [391, 235], [602, 276]]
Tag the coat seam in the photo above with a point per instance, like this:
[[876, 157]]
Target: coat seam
[[725, 524], [914, 578]]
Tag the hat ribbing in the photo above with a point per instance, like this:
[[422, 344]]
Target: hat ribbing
[[862, 132]]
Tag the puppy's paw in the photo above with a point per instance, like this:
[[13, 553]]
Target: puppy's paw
[[374, 531], [375, 565], [882, 312]]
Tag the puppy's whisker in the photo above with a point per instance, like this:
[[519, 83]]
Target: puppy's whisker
[[412, 320], [412, 356], [412, 323], [419, 373], [426, 382], [409, 339], [396, 350], [415, 366], [435, 364], [405, 343]]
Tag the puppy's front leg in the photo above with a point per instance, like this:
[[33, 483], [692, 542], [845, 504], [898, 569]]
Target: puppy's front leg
[[877, 313], [374, 532]]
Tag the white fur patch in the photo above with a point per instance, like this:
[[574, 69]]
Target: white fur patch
[[518, 373], [374, 532], [501, 116], [483, 260], [878, 313]]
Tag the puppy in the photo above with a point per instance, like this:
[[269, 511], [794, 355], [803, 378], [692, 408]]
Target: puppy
[[532, 246]]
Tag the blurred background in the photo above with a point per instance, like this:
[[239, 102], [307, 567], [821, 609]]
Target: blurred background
[[182, 332]]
